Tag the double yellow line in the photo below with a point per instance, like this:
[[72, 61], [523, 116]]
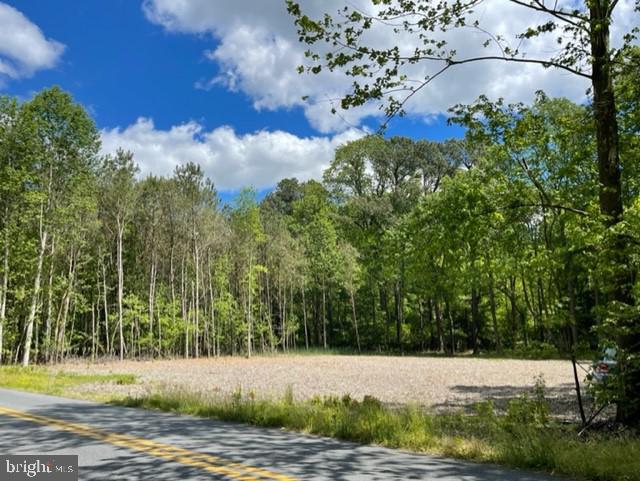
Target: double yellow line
[[207, 462]]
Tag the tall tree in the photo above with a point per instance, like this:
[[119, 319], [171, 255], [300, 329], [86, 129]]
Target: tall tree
[[583, 36], [117, 200], [12, 178], [64, 144], [249, 232]]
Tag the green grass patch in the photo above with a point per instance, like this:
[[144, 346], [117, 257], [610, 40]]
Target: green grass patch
[[49, 381], [525, 437]]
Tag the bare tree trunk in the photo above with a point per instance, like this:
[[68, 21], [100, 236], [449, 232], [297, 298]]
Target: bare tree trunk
[[120, 286], [196, 318], [213, 309], [494, 318], [542, 310], [451, 327], [26, 350], [250, 307], [152, 297], [355, 318], [60, 341], [106, 309], [270, 314], [304, 315], [398, 309], [292, 334], [172, 282], [93, 332], [475, 319], [192, 309], [4, 286], [97, 308], [47, 335], [324, 316], [184, 310], [439, 326], [572, 310], [283, 318], [514, 309]]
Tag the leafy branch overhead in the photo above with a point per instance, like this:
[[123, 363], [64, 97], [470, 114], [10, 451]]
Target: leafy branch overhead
[[426, 28]]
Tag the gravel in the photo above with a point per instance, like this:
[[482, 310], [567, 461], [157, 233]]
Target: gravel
[[436, 382]]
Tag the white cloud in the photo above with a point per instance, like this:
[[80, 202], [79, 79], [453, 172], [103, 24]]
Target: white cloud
[[232, 161], [23, 47], [258, 52]]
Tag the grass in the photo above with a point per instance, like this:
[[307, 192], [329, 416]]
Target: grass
[[48, 381], [525, 437]]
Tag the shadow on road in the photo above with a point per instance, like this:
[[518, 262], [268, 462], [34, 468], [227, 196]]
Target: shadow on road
[[301, 456]]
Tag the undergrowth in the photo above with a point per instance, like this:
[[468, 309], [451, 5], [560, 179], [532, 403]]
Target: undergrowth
[[524, 437]]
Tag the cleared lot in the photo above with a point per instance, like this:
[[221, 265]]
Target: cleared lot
[[437, 382]]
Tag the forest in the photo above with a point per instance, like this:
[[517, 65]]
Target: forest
[[489, 243], [296, 239]]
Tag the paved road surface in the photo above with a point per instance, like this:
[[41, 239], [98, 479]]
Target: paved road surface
[[116, 443]]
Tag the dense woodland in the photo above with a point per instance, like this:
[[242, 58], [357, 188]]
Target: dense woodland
[[486, 244]]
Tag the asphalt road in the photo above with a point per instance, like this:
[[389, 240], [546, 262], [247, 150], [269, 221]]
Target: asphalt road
[[117, 443]]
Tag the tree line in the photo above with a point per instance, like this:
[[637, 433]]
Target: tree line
[[485, 244]]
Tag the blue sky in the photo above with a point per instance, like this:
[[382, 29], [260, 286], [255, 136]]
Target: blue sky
[[214, 82], [122, 66]]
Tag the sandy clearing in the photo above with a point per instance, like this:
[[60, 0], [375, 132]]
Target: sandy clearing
[[437, 382]]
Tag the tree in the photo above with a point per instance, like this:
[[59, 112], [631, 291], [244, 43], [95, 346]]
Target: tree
[[351, 278], [64, 142], [12, 177], [117, 198], [312, 214], [198, 194], [249, 232], [583, 37]]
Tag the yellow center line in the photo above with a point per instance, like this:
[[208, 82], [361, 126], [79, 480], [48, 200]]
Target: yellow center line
[[207, 462]]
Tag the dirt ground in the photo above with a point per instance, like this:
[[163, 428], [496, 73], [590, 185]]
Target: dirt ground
[[436, 382]]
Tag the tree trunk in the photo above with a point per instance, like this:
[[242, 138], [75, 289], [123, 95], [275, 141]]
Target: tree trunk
[[452, 336], [183, 300], [355, 318], [475, 319], [106, 309], [60, 341], [26, 350], [514, 310], [212, 309], [304, 316], [3, 288], [93, 332], [439, 326], [610, 196], [573, 326], [196, 318], [398, 305], [47, 335], [269, 313], [152, 298], [494, 318], [172, 279], [324, 316], [120, 287], [249, 318]]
